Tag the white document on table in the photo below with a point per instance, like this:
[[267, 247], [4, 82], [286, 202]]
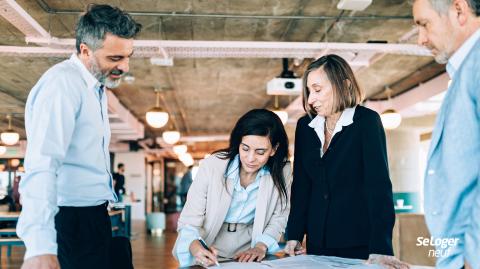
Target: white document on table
[[319, 262], [307, 262], [302, 262]]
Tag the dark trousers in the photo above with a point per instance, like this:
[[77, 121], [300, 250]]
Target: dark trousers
[[352, 252], [83, 237]]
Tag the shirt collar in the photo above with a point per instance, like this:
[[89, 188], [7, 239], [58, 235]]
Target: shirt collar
[[457, 58], [233, 171], [92, 82], [318, 123]]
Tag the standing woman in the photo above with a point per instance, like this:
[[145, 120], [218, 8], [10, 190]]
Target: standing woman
[[239, 201], [341, 192]]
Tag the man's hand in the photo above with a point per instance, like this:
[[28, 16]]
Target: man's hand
[[254, 254], [293, 247], [467, 265], [385, 261], [41, 262], [202, 256]]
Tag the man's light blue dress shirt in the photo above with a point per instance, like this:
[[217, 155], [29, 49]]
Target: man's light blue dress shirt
[[67, 162], [241, 210]]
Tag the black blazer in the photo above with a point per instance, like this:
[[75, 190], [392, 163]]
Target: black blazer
[[343, 199]]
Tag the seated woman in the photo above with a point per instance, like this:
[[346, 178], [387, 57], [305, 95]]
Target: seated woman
[[341, 192], [238, 202]]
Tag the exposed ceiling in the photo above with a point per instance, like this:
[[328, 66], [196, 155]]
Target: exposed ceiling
[[207, 95]]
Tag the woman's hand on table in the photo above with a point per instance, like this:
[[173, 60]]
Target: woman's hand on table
[[202, 256], [293, 248], [257, 253]]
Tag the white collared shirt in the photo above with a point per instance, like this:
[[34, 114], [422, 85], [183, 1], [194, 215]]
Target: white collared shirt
[[318, 124], [67, 161], [457, 58]]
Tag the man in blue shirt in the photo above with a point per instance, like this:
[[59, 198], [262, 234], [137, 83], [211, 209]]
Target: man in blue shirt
[[68, 182], [451, 29]]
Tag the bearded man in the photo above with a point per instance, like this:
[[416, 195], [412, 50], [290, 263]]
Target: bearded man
[[68, 183], [451, 30]]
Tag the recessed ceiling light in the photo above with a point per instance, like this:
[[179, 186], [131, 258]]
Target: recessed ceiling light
[[357, 5]]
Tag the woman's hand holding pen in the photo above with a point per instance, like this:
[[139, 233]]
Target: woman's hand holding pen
[[202, 255], [293, 248], [253, 254]]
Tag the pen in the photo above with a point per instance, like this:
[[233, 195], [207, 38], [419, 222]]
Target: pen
[[204, 245]]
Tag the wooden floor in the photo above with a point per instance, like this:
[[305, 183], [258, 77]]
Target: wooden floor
[[148, 252]]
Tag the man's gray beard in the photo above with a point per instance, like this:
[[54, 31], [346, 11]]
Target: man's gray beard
[[442, 57], [101, 77]]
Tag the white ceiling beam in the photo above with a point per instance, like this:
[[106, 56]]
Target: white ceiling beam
[[418, 94], [18, 17], [125, 125], [244, 49], [19, 51], [124, 137], [205, 138]]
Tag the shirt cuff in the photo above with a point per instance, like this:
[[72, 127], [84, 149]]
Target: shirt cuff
[[471, 251], [272, 244], [39, 242], [187, 235]]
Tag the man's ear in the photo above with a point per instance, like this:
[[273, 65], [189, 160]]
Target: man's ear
[[462, 11], [85, 50]]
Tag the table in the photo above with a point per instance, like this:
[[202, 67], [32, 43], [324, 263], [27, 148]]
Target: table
[[125, 220], [11, 239], [9, 216], [303, 261]]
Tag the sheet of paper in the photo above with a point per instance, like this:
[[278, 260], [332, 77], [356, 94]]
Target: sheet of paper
[[240, 265], [307, 262], [319, 262]]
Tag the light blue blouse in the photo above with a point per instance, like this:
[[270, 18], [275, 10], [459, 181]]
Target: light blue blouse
[[241, 210]]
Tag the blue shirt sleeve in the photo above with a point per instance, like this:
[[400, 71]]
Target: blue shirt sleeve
[[50, 121], [185, 238], [272, 244]]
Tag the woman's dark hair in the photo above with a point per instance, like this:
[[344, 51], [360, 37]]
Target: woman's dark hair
[[99, 20], [261, 122], [346, 90]]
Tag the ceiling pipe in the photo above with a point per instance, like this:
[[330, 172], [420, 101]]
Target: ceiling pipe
[[50, 10]]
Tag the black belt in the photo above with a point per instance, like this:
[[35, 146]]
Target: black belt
[[231, 227]]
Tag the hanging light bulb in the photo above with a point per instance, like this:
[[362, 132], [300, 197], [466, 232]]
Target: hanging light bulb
[[9, 137], [180, 149], [156, 116], [14, 162], [391, 119], [171, 137], [282, 114]]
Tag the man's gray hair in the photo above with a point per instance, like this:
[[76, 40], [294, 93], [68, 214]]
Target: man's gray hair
[[100, 20], [442, 6]]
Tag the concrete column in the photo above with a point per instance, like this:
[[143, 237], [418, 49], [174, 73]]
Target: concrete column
[[135, 180], [404, 159]]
